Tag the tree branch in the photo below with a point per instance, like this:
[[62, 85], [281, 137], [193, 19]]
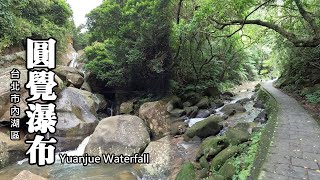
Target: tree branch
[[306, 16]]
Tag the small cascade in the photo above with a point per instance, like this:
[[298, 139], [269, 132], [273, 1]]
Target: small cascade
[[74, 61], [80, 149]]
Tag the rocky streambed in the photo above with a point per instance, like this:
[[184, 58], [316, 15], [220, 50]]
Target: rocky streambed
[[199, 132]]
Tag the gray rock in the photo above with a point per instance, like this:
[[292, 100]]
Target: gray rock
[[205, 128], [231, 109], [76, 111], [122, 134], [159, 166], [203, 113], [70, 75]]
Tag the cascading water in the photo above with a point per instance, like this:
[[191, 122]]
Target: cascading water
[[74, 60]]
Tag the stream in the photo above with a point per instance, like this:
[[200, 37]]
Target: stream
[[184, 151]]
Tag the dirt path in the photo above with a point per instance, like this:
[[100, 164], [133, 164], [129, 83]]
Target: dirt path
[[295, 149]]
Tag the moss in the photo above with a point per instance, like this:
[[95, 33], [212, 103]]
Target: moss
[[211, 146], [203, 162], [208, 127], [216, 177], [187, 172], [228, 169], [223, 156], [264, 138], [236, 136]]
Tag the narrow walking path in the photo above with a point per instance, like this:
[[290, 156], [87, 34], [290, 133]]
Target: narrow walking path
[[295, 149]]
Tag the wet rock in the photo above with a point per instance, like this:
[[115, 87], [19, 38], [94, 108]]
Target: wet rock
[[156, 117], [223, 156], [70, 75], [203, 113], [122, 134], [243, 101], [262, 117], [187, 172], [192, 111], [126, 107], [205, 128], [177, 112], [5, 92], [231, 109], [76, 111], [211, 146], [27, 175], [159, 166], [203, 103], [259, 104]]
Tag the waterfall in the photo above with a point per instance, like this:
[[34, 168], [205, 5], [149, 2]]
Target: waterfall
[[74, 58], [79, 151]]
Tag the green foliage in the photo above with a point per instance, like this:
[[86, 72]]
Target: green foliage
[[314, 97], [36, 19], [244, 161], [130, 47]]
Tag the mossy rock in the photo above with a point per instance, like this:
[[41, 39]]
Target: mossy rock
[[203, 162], [228, 169], [211, 146], [236, 136], [223, 156], [216, 177], [203, 173], [243, 126], [208, 127], [187, 172]]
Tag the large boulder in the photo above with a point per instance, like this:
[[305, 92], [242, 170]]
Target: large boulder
[[159, 153], [156, 117], [122, 134], [231, 109], [76, 111], [10, 151], [205, 128], [27, 175], [70, 75], [5, 92]]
